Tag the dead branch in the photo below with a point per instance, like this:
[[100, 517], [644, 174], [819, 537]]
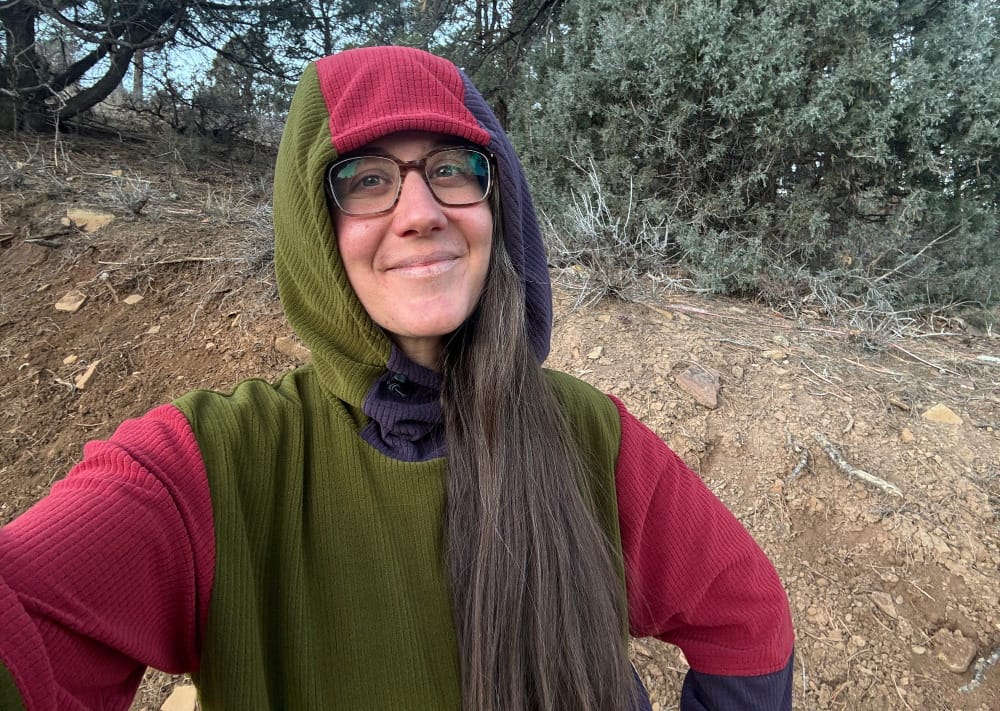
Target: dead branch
[[187, 260], [939, 368], [837, 458], [50, 243], [46, 239], [776, 322], [900, 405], [796, 447], [883, 371], [914, 257]]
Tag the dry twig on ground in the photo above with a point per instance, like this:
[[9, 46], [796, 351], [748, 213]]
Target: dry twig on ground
[[795, 447], [837, 458]]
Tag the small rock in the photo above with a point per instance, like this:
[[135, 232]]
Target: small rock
[[701, 384], [918, 650], [88, 220], [286, 345], [182, 698], [775, 355], [954, 650], [132, 299], [814, 505], [596, 353], [934, 543], [905, 435], [943, 414], [152, 330], [71, 301], [883, 601], [874, 515], [737, 372], [82, 380], [70, 359]]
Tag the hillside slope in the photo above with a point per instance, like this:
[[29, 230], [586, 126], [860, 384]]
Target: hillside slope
[[894, 596]]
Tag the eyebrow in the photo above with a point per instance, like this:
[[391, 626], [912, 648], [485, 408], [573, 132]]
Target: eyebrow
[[380, 151]]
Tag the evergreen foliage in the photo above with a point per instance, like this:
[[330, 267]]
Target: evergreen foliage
[[847, 152], [788, 147]]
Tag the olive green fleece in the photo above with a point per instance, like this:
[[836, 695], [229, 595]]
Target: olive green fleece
[[10, 696], [349, 350], [330, 588]]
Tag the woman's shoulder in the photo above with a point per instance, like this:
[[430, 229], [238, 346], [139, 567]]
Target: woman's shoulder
[[289, 389], [569, 387], [254, 416], [591, 413]]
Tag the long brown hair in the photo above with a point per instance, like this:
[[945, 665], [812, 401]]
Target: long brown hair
[[537, 599]]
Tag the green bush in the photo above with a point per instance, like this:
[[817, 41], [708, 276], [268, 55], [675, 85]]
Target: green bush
[[763, 146]]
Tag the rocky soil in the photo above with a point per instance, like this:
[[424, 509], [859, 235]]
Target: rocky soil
[[894, 581]]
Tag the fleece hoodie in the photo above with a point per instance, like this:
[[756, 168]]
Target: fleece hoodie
[[283, 542]]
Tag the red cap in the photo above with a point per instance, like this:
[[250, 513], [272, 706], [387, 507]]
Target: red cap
[[374, 91]]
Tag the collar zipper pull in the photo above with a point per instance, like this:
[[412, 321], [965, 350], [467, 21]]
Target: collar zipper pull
[[397, 384]]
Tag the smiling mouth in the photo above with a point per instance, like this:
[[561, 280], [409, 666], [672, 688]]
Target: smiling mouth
[[428, 265]]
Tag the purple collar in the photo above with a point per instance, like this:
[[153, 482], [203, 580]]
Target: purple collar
[[404, 405]]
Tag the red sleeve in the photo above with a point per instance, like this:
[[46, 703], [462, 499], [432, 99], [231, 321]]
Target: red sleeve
[[694, 576], [111, 572]]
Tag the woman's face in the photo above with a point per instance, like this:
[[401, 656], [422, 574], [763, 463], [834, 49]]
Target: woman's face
[[418, 269]]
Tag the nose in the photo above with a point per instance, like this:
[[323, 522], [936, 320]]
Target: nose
[[417, 211]]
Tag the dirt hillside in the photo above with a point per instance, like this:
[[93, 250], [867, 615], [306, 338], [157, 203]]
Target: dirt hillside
[[895, 585]]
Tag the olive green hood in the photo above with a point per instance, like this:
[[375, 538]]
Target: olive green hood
[[341, 103]]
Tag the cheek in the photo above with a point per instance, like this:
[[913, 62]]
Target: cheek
[[481, 235], [354, 245]]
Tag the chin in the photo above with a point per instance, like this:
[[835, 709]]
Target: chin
[[436, 330], [424, 325]]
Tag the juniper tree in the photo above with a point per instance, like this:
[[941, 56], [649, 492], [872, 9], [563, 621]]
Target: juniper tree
[[764, 146]]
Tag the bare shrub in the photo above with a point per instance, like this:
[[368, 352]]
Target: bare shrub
[[131, 192], [604, 252]]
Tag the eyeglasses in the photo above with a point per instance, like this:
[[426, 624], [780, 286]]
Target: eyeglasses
[[369, 185]]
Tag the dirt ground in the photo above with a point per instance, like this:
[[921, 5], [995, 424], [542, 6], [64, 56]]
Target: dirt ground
[[896, 596]]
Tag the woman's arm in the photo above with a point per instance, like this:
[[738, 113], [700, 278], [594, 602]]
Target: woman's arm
[[109, 573], [695, 578]]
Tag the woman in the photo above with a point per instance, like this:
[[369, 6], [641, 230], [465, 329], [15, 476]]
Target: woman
[[423, 518]]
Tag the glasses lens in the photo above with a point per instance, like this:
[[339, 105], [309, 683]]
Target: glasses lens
[[458, 176], [368, 185], [364, 185]]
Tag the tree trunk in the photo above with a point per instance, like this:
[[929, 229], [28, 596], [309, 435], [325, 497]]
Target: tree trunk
[[138, 74], [101, 89], [34, 101], [22, 72]]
